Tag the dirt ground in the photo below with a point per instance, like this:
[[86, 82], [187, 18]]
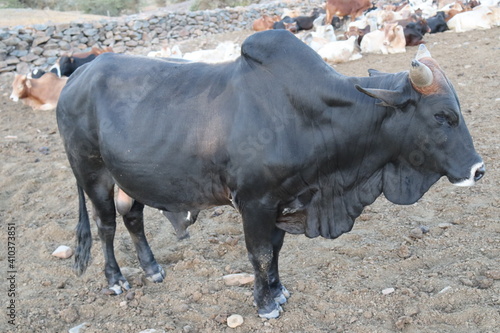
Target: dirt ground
[[446, 281], [20, 16]]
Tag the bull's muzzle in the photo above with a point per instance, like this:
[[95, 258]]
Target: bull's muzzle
[[479, 173], [476, 173]]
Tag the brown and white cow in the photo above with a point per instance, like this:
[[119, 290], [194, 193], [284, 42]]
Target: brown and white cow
[[41, 94], [389, 39]]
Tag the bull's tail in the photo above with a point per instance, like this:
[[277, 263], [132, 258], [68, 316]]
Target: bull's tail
[[83, 236]]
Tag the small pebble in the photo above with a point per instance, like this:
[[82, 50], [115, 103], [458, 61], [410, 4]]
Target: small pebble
[[404, 252], [411, 311], [63, 252], [445, 225], [495, 275], [137, 281], [221, 318], [77, 329], [388, 291], [130, 295], [445, 289], [234, 320], [44, 150], [402, 322], [238, 279], [130, 272], [196, 296], [483, 282], [416, 233], [368, 314], [466, 282], [217, 212]]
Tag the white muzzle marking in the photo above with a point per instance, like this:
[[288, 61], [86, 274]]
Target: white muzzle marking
[[471, 181]]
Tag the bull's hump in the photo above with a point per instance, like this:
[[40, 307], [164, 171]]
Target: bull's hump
[[270, 46]]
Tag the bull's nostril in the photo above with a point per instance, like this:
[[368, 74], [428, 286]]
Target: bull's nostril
[[479, 173]]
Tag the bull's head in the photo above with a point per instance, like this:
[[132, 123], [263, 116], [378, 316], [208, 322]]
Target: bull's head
[[433, 140], [18, 87]]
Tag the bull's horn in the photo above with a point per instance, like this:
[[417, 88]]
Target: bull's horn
[[422, 52], [420, 74]]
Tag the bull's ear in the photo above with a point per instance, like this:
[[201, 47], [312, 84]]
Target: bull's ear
[[393, 98]]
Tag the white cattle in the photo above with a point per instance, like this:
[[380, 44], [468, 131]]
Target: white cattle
[[479, 18], [340, 51], [490, 3], [225, 51], [317, 39], [426, 6], [495, 17], [167, 52]]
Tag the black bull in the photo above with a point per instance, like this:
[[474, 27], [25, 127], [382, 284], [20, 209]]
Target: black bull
[[278, 134]]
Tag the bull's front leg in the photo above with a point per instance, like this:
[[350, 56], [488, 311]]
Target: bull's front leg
[[263, 242], [279, 292]]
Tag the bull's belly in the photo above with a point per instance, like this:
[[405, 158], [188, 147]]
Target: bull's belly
[[174, 194]]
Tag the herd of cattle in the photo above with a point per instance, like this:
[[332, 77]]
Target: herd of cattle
[[340, 31], [365, 27]]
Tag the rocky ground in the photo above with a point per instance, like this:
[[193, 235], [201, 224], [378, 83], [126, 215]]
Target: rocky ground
[[384, 276]]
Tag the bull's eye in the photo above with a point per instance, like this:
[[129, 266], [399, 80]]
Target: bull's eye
[[441, 118], [444, 118]]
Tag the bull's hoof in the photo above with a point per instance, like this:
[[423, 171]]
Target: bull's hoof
[[118, 288], [285, 291], [281, 299], [282, 296], [157, 277], [271, 314]]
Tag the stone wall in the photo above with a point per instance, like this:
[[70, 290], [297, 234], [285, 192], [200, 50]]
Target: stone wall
[[24, 48]]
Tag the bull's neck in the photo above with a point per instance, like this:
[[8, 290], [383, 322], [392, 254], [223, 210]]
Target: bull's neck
[[360, 126]]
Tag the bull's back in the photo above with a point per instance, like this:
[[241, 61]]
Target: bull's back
[[153, 121]]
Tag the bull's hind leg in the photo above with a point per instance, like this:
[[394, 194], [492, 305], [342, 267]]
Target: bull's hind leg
[[101, 195], [134, 221]]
